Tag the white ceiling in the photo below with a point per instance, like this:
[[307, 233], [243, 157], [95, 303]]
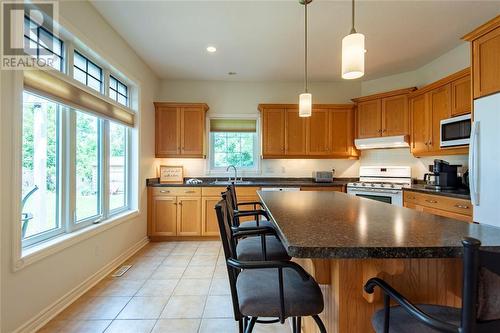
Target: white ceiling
[[263, 40]]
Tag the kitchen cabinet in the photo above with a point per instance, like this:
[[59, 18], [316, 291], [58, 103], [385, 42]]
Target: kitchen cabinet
[[188, 216], [328, 133], [485, 45], [273, 131], [320, 133], [180, 129], [384, 114], [295, 133], [369, 116], [432, 103], [209, 224], [163, 210], [461, 101], [459, 209]]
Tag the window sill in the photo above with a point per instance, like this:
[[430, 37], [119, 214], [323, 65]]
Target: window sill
[[37, 252]]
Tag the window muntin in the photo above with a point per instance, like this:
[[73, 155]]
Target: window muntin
[[87, 72], [88, 167], [41, 186], [118, 91], [233, 148], [118, 147], [42, 44]]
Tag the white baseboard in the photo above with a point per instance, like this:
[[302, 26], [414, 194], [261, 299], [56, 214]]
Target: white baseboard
[[44, 316]]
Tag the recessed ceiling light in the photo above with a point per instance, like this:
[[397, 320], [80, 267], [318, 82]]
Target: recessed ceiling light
[[231, 73], [211, 49]]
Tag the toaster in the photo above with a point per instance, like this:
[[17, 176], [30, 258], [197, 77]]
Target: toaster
[[323, 176]]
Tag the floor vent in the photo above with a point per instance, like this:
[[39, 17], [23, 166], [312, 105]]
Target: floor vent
[[122, 270]]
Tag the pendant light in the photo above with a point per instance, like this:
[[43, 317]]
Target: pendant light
[[353, 53], [305, 99]]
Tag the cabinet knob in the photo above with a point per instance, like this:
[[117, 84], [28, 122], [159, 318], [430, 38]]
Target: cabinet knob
[[462, 206], [164, 191], [189, 191], [180, 203]]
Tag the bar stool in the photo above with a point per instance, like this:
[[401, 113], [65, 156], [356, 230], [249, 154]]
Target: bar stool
[[271, 289], [263, 222], [480, 311], [252, 243]]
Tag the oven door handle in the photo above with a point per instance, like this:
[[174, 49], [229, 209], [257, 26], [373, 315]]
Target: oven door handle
[[372, 190]]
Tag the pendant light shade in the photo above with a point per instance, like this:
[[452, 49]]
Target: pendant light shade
[[305, 105], [353, 53], [353, 56]]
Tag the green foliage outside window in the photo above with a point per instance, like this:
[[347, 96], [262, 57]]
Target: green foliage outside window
[[233, 148]]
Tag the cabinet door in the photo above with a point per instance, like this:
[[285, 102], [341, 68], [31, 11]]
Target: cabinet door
[[461, 101], [193, 131], [273, 132], [341, 132], [395, 115], [440, 108], [209, 225], [188, 216], [486, 64], [295, 133], [369, 119], [167, 131], [319, 133], [163, 216], [419, 131]]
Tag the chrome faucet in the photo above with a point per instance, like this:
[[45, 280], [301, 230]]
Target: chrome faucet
[[235, 173]]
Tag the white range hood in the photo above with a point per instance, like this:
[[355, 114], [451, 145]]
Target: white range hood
[[397, 141]]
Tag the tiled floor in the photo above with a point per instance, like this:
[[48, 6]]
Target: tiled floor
[[172, 287]]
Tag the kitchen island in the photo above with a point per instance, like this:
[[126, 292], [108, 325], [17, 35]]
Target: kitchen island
[[343, 240]]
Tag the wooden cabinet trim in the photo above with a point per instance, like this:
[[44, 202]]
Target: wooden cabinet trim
[[483, 29], [455, 76], [391, 93]]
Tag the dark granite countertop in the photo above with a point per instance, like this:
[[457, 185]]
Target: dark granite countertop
[[460, 193], [268, 182], [338, 225]]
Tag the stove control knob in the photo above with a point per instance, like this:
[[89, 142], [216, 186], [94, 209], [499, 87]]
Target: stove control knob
[[392, 185], [373, 185], [382, 185], [363, 184]]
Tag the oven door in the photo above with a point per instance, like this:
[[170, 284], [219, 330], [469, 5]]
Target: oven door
[[393, 197], [455, 131]]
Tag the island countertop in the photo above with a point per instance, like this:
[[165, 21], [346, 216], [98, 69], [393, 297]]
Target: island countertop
[[338, 225]]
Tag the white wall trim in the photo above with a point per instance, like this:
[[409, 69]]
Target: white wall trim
[[44, 316]]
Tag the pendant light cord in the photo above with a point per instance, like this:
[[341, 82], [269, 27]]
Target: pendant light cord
[[305, 46], [353, 31]]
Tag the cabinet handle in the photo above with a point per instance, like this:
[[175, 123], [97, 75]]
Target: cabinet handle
[[189, 192], [180, 203], [462, 206], [384, 130], [431, 201], [163, 191]]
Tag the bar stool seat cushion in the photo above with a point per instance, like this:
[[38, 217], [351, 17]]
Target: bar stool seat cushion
[[250, 249], [402, 322], [258, 294], [253, 224]]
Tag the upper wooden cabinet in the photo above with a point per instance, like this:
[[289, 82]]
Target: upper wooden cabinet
[[384, 114], [328, 133], [429, 105], [485, 45], [180, 129]]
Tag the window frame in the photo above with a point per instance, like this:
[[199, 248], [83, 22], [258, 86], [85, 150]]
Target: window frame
[[60, 229], [101, 78], [211, 169], [127, 178], [116, 91], [62, 57]]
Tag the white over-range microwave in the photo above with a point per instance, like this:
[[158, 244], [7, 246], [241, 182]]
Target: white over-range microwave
[[455, 131]]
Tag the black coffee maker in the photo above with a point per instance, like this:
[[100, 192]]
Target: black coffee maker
[[443, 176]]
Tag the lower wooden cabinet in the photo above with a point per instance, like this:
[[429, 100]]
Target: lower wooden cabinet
[[209, 225], [163, 211], [188, 216], [459, 209]]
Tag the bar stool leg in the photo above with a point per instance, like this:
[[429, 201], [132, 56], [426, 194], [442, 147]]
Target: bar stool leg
[[320, 324], [299, 324], [251, 324]]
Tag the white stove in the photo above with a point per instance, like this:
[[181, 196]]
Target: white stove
[[382, 183]]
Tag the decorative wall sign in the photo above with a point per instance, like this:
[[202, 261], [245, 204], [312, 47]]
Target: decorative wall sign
[[171, 174]]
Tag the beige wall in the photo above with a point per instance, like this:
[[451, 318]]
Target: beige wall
[[233, 98], [448, 63], [27, 292]]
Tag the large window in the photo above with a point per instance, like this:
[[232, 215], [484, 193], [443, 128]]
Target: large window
[[41, 186], [57, 138], [42, 44], [233, 142], [87, 72]]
